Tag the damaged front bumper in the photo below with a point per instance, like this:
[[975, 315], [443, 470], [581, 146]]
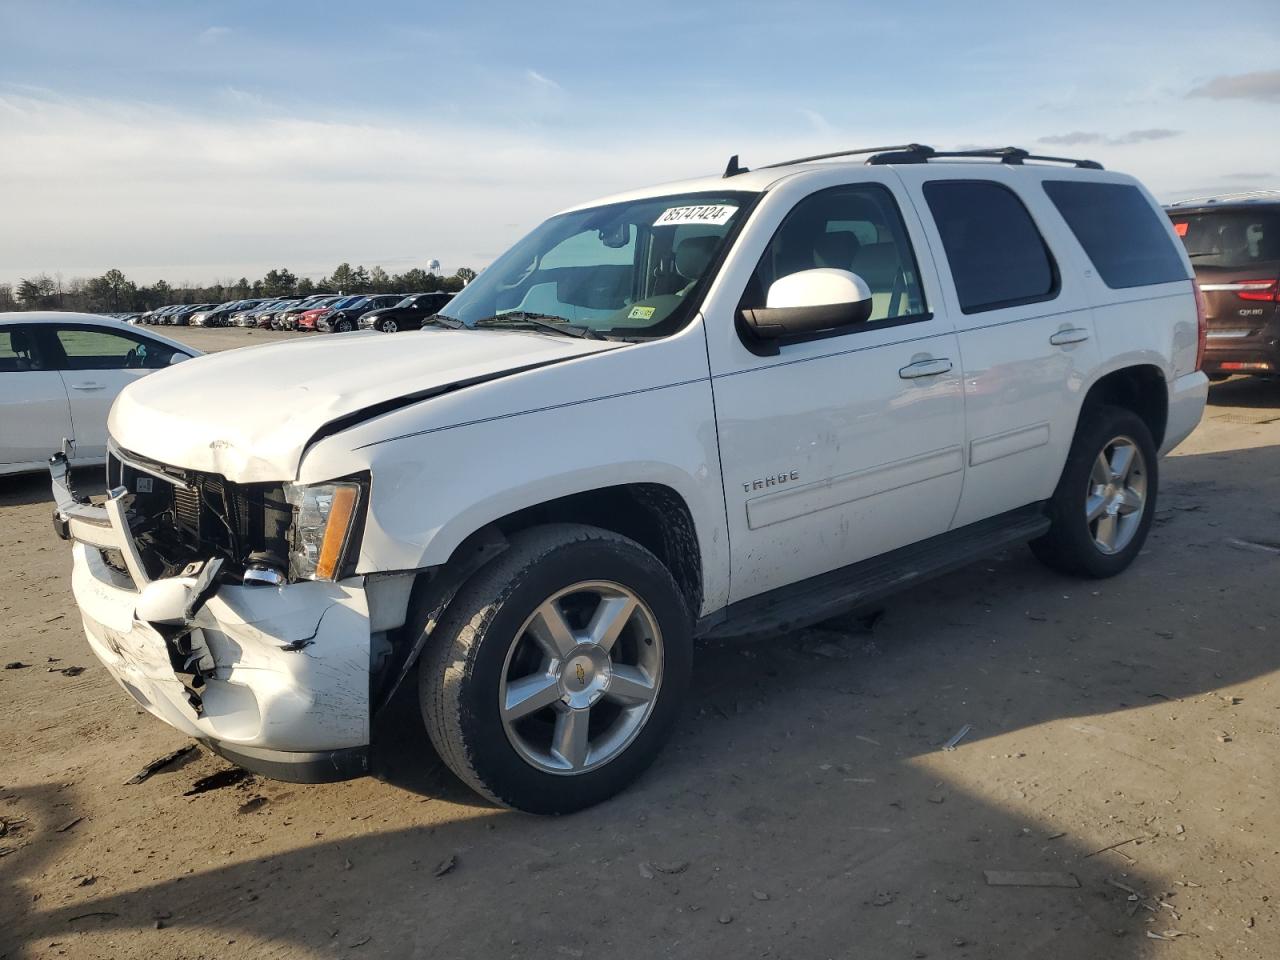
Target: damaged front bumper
[[275, 678]]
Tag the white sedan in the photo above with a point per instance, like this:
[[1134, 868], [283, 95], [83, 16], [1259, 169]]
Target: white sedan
[[59, 374]]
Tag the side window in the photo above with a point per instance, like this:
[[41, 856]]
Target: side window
[[997, 256], [89, 349], [1119, 230], [17, 350], [855, 228]]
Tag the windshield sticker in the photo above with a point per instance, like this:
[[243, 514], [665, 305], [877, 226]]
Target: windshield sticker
[[714, 214], [1181, 228], [641, 313]]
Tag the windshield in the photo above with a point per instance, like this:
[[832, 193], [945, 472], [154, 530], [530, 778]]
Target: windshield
[[1238, 239], [340, 303], [627, 269]]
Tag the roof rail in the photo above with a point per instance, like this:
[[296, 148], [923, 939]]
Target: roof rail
[[918, 153], [1229, 198], [1011, 155], [844, 153]]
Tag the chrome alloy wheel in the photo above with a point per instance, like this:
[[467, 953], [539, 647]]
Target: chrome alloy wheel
[[581, 678], [1117, 495], [389, 326]]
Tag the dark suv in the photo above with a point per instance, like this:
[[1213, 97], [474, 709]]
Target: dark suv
[[1234, 245]]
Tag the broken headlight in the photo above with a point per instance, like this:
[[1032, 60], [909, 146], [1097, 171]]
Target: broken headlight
[[325, 519]]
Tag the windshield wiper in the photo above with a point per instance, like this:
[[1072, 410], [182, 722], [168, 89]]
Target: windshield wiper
[[543, 321], [441, 320]]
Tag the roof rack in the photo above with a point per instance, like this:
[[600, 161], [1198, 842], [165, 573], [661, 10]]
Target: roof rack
[[1243, 197], [1011, 155], [733, 169], [920, 153]]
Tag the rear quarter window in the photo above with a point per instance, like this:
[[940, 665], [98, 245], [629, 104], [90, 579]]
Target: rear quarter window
[[1124, 237]]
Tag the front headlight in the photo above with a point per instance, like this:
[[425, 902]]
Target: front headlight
[[323, 523]]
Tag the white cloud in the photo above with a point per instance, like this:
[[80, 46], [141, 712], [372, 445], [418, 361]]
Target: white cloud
[[212, 35], [542, 80], [89, 184], [1261, 85]]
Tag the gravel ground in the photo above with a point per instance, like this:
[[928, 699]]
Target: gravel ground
[[1123, 733]]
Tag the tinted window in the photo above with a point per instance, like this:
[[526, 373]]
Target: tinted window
[[1235, 239], [1119, 230], [89, 349], [998, 257], [854, 228]]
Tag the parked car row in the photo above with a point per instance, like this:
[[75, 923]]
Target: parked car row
[[327, 313]]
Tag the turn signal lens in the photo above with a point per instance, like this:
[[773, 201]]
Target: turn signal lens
[[341, 513]]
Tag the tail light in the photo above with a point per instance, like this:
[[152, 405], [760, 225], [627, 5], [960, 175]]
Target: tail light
[[1202, 325], [1258, 290]]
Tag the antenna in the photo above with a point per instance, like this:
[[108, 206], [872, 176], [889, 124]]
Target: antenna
[[732, 169]]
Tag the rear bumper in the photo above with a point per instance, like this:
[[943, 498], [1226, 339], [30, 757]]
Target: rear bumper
[[1256, 348], [1187, 397], [274, 678]]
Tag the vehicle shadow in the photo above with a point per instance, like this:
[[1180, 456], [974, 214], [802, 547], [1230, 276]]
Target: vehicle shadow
[[805, 808], [1257, 392]]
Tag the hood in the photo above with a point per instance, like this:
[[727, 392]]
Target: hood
[[249, 414]]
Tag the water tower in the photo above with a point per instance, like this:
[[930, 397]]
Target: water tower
[[433, 267]]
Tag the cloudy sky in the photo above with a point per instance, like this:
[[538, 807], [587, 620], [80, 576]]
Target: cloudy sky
[[201, 141]]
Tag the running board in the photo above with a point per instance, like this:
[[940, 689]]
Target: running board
[[868, 581]]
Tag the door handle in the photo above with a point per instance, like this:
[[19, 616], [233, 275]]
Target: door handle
[[925, 368], [86, 386], [1069, 335]]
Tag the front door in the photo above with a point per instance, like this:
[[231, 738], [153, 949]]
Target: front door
[[34, 416], [96, 363], [840, 448]]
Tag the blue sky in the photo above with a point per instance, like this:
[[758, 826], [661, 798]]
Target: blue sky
[[195, 141]]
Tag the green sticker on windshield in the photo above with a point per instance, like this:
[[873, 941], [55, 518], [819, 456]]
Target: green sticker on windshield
[[641, 313]]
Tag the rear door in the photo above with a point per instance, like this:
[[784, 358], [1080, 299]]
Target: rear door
[[34, 414], [96, 363], [1025, 328]]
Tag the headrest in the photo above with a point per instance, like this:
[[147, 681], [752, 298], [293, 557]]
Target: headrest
[[836, 250], [19, 341], [693, 255]]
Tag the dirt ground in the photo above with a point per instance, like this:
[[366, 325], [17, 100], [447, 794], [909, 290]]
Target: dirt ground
[[1123, 732]]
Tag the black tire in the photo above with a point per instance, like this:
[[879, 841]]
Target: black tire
[[1069, 545], [343, 325], [388, 326], [462, 668]]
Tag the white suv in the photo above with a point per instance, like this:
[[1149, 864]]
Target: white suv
[[729, 405]]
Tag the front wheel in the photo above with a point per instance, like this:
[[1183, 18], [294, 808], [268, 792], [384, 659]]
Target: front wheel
[[343, 325], [558, 671], [389, 326], [1106, 498]]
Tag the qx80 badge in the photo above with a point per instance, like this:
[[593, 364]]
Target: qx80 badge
[[777, 480]]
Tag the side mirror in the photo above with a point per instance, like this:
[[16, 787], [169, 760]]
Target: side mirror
[[809, 302]]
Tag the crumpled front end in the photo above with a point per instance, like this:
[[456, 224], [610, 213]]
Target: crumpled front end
[[276, 677]]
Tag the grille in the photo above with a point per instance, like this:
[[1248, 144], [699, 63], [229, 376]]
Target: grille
[[197, 516]]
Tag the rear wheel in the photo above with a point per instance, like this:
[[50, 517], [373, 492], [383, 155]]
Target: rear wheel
[[558, 671], [1105, 500]]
